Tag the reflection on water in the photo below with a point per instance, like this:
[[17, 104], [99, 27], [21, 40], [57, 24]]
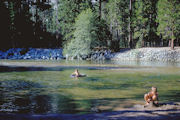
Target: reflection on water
[[19, 96], [44, 90], [22, 97], [126, 63], [87, 63], [145, 63]]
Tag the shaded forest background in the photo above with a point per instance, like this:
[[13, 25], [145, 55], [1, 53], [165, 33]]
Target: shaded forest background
[[81, 25]]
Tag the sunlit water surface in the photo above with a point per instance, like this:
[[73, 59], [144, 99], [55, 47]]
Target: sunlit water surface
[[45, 87]]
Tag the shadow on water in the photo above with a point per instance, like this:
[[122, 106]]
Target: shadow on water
[[27, 98], [92, 79], [22, 69], [115, 115], [18, 96], [173, 95], [14, 85], [108, 85], [59, 68], [112, 86]]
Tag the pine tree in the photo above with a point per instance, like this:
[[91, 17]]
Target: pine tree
[[5, 23], [145, 26], [68, 10], [83, 35], [169, 19], [117, 16], [89, 33]]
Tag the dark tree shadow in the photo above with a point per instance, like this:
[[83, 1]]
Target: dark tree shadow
[[26, 97], [4, 68]]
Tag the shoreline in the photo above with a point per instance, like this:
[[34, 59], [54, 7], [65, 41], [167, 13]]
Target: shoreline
[[159, 54], [110, 64], [164, 54], [165, 112]]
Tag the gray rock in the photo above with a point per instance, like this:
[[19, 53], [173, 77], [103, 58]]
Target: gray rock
[[149, 54], [31, 53]]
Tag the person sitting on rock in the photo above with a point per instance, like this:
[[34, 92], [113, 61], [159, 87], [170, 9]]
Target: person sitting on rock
[[152, 96], [76, 73]]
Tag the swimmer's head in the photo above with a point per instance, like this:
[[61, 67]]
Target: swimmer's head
[[154, 89]]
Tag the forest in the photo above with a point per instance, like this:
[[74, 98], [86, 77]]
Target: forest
[[79, 26]]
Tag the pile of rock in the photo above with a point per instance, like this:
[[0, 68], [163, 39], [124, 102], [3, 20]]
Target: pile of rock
[[32, 53], [101, 55], [149, 54], [94, 55], [142, 54]]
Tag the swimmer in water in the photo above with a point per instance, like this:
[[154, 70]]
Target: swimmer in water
[[76, 73]]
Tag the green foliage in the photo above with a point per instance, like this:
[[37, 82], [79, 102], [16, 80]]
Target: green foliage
[[24, 24], [83, 35], [11, 13], [103, 33], [145, 26], [139, 43], [89, 33], [169, 18], [141, 22], [117, 13], [29, 23], [68, 10]]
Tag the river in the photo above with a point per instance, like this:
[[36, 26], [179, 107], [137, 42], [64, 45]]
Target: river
[[45, 87]]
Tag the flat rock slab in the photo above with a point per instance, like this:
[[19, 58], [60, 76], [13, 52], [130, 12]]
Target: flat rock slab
[[160, 106], [168, 111]]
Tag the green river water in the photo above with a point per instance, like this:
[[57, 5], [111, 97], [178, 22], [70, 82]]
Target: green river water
[[43, 87]]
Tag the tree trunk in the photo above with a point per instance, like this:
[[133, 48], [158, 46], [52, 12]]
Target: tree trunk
[[142, 41], [172, 41], [100, 7], [130, 29]]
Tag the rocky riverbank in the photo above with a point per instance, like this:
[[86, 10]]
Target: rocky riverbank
[[164, 54], [49, 54], [32, 53]]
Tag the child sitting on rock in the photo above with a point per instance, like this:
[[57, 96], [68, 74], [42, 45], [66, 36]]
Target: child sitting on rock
[[152, 96]]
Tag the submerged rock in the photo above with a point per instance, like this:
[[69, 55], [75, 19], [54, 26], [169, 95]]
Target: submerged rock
[[95, 109]]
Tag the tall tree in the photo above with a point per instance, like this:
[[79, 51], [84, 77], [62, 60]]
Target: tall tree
[[84, 35], [169, 19], [130, 24], [89, 33], [145, 25], [117, 16], [23, 23], [100, 8], [68, 10], [5, 23]]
